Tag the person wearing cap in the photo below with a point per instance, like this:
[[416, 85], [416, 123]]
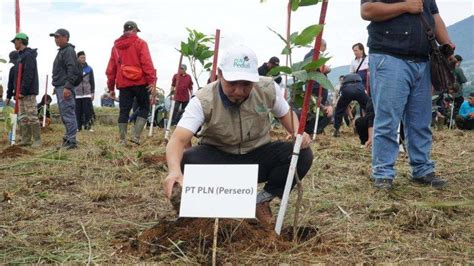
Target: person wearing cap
[[233, 113], [14, 59], [465, 119], [182, 92], [85, 94], [400, 85], [65, 74], [460, 78], [29, 122], [267, 66], [131, 71]]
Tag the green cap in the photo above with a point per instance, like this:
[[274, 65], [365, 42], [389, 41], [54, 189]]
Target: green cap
[[20, 36]]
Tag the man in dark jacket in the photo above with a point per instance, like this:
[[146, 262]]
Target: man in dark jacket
[[65, 74], [28, 90], [131, 70], [85, 94], [14, 59], [267, 66], [401, 85]]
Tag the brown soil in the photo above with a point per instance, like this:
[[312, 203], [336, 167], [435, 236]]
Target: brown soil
[[195, 236], [154, 159], [13, 152]]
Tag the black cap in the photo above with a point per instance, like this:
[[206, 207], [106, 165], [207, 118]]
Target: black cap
[[60, 32], [274, 60], [130, 25], [458, 57]]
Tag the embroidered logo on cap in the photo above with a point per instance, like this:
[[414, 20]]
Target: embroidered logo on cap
[[242, 62]]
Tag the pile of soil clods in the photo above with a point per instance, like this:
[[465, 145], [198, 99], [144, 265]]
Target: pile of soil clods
[[192, 236], [13, 152]]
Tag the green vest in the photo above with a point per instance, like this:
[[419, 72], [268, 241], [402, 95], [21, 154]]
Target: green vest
[[237, 130]]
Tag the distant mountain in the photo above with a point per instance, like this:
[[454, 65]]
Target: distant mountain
[[337, 72], [462, 34]]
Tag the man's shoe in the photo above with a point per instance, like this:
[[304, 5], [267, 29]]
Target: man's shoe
[[263, 213], [336, 133], [383, 183], [430, 179]]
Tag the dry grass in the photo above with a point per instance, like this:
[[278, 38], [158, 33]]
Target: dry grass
[[110, 194]]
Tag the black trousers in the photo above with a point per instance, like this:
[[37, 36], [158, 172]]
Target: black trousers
[[362, 129], [177, 113], [83, 112], [273, 161], [126, 97], [349, 94], [464, 123]]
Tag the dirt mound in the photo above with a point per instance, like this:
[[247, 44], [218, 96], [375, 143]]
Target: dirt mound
[[194, 236], [154, 159], [13, 152]]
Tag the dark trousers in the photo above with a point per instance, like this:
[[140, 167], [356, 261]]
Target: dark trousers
[[83, 112], [349, 94], [362, 129], [127, 95], [464, 123], [273, 161], [177, 113]]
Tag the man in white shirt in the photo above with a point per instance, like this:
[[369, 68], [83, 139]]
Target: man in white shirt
[[233, 115]]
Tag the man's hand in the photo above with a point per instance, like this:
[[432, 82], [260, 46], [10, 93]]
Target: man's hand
[[471, 115], [152, 89], [328, 110], [170, 180], [92, 97], [368, 143], [112, 94], [306, 141], [414, 6], [66, 93]]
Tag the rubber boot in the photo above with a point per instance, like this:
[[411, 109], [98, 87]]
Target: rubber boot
[[123, 133], [137, 130], [36, 132], [25, 135]]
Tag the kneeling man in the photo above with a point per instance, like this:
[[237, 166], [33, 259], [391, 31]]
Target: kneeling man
[[233, 114]]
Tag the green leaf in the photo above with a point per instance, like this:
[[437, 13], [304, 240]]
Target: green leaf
[[286, 51], [208, 65], [300, 75], [299, 65], [206, 54], [278, 34], [308, 35], [3, 61], [295, 4], [308, 2], [277, 70], [321, 79], [316, 64], [293, 36]]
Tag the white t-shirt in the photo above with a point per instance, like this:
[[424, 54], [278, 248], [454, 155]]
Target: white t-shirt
[[356, 62], [193, 116]]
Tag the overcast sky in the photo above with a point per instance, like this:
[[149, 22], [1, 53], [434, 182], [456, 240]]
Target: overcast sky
[[94, 25]]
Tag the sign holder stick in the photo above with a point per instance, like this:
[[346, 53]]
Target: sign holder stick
[[214, 241]]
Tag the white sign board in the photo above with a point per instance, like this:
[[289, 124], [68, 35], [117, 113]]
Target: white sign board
[[219, 191]]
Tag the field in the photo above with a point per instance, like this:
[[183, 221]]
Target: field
[[103, 203]]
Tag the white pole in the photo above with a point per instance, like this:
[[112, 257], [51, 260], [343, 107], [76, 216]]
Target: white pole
[[153, 107], [45, 102], [168, 126], [289, 182], [14, 119], [452, 113], [316, 124]]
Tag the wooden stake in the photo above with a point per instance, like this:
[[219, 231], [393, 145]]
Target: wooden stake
[[214, 241]]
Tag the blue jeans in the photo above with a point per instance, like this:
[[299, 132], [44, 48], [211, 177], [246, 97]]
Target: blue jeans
[[401, 91], [67, 109]]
